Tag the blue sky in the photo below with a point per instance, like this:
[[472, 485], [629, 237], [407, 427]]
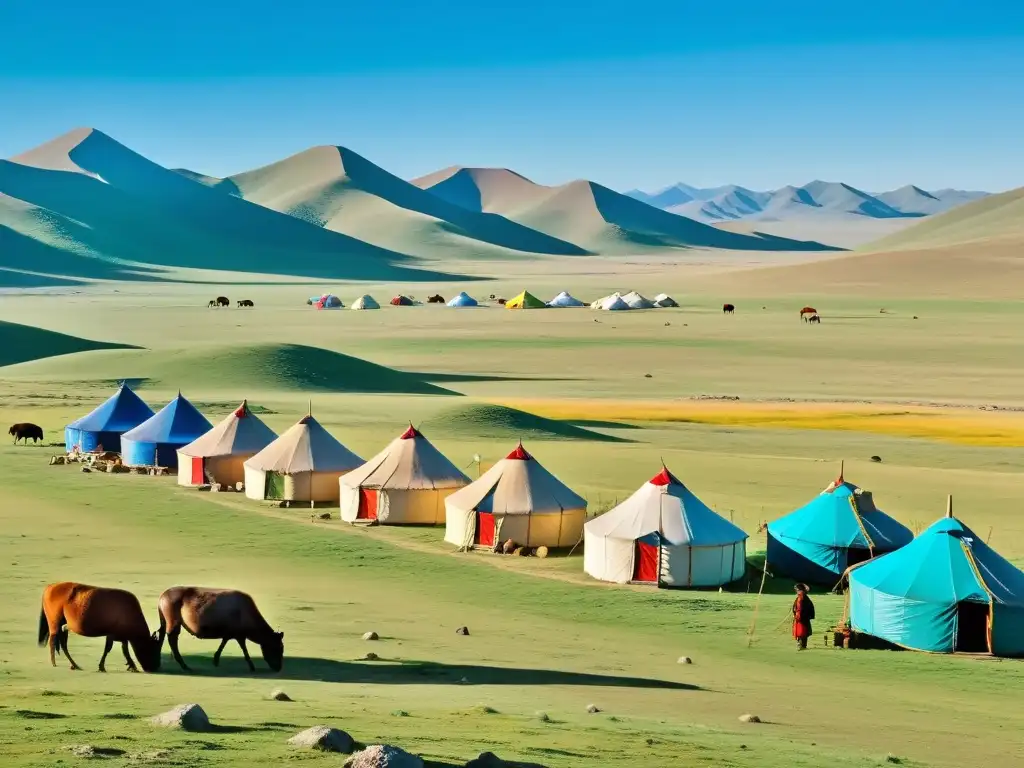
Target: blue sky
[[627, 94]]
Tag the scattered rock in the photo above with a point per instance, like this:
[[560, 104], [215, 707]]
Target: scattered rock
[[371, 636], [877, 459], [483, 709], [323, 739], [541, 552], [750, 719], [592, 709], [685, 660], [278, 695], [89, 751], [462, 631], [891, 758], [399, 713], [648, 376], [187, 717], [543, 717], [371, 656], [383, 756]]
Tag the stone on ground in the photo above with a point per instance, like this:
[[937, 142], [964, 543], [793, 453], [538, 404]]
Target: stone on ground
[[323, 739], [685, 660], [750, 719], [187, 717], [592, 709], [371, 636], [383, 756], [279, 695], [462, 631]]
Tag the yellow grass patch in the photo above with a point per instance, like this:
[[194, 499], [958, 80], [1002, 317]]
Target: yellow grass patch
[[953, 425]]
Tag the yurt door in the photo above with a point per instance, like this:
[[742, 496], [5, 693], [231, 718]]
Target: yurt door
[[198, 475], [274, 486], [367, 504], [484, 535], [646, 562]]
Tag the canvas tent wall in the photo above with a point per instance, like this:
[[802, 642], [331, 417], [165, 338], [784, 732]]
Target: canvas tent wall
[[525, 300], [155, 442], [219, 455], [303, 464], [564, 299], [103, 426], [664, 535], [839, 528], [946, 591], [366, 301], [463, 299], [405, 484], [516, 499]]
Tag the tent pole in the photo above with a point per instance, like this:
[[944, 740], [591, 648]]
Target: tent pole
[[757, 606]]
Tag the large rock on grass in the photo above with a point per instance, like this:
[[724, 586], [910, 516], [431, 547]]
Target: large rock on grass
[[324, 739], [383, 756], [187, 717]]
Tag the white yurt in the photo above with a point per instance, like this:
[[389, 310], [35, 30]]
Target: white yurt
[[219, 455], [564, 299], [636, 301], [664, 535], [303, 464], [599, 303], [664, 300], [516, 499], [615, 304], [366, 301], [462, 300], [405, 484]]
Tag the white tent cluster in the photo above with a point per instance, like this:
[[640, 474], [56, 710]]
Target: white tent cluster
[[564, 299], [219, 455], [632, 300]]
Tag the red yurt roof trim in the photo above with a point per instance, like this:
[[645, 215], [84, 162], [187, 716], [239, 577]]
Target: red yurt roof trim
[[519, 454], [664, 478], [411, 433]]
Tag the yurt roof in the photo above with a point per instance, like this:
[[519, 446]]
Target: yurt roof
[[636, 301], [240, 432], [409, 462], [176, 422], [122, 411], [517, 485], [615, 303], [366, 301], [665, 506], [305, 447], [463, 299]]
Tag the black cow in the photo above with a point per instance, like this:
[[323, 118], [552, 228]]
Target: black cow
[[26, 431]]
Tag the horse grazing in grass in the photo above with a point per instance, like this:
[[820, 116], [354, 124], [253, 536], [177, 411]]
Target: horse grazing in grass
[[728, 309], [435, 299], [218, 614], [97, 612], [807, 311], [245, 303], [220, 301], [26, 431]]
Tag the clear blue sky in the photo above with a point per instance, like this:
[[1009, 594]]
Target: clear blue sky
[[642, 94]]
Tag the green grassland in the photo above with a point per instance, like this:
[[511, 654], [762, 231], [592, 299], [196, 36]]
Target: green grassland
[[544, 638]]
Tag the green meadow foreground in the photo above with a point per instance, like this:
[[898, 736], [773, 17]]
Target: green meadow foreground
[[545, 641]]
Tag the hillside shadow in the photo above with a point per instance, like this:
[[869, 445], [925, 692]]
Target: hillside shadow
[[499, 422], [22, 343], [412, 672]]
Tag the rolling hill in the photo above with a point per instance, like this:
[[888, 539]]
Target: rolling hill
[[26, 343], [589, 214], [101, 211]]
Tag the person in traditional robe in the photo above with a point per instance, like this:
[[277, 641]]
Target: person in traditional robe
[[803, 614]]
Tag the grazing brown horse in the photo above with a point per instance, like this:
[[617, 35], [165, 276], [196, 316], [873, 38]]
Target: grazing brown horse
[[218, 614], [435, 299], [97, 612], [25, 431], [728, 309], [807, 311]]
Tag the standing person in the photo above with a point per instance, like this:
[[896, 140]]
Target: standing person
[[803, 614]]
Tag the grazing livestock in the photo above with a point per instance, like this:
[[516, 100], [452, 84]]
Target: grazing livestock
[[435, 299], [502, 301], [220, 301], [26, 431], [814, 319], [245, 303], [728, 309], [218, 614], [97, 612], [807, 311]]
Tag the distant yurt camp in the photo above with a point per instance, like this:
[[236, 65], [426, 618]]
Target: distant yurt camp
[[220, 454], [525, 300], [401, 301], [463, 299], [665, 536], [840, 528], [303, 464], [366, 301], [614, 303], [947, 591], [564, 299], [516, 499], [599, 303], [101, 429], [155, 442], [664, 300], [405, 484]]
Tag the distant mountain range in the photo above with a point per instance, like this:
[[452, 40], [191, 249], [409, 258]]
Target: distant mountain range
[[818, 198]]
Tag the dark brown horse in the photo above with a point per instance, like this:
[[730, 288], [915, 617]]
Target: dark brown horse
[[218, 614], [97, 612], [728, 309], [435, 299], [246, 303], [220, 301], [807, 311], [26, 431]]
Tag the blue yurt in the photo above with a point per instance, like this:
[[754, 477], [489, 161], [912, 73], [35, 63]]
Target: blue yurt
[[463, 300], [103, 427], [840, 528], [945, 592], [155, 442]]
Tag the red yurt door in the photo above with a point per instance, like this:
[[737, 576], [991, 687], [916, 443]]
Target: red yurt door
[[646, 563], [198, 475], [367, 504], [484, 535]]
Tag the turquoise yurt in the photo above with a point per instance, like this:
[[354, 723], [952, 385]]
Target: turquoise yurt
[[155, 442], [103, 427], [840, 528], [945, 592]]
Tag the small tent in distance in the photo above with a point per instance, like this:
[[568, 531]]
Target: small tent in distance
[[219, 455], [303, 464], [664, 300], [401, 301], [637, 301], [664, 535], [564, 299], [155, 442], [463, 299], [516, 499], [405, 484], [327, 301], [101, 428], [525, 300], [946, 591], [839, 528], [366, 301]]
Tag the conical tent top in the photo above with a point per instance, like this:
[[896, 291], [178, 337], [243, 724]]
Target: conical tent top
[[243, 410], [411, 433], [519, 454], [664, 477], [949, 505]]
